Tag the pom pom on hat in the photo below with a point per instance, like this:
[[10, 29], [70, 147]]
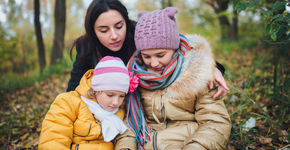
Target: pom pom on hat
[[157, 29]]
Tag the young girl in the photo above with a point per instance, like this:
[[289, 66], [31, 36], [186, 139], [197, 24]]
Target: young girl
[[110, 32], [89, 117], [177, 110]]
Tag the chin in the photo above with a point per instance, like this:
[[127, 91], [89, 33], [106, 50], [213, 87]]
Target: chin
[[110, 110], [115, 49]]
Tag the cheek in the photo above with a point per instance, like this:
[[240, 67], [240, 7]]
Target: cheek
[[121, 102], [102, 100], [166, 62], [146, 62], [102, 38], [123, 32]]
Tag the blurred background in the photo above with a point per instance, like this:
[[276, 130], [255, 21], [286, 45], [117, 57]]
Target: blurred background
[[249, 37]]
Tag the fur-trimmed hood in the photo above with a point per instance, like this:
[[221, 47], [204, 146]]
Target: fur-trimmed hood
[[197, 69]]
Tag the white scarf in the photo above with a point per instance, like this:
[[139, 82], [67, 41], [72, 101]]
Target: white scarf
[[111, 124]]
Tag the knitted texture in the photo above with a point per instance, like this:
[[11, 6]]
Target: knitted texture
[[157, 29], [110, 74]]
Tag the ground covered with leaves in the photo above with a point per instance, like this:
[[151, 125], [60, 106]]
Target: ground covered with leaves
[[22, 112], [257, 102]]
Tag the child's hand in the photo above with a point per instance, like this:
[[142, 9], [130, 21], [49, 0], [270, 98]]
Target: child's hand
[[221, 81]]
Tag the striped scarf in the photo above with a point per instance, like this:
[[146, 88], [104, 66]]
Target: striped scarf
[[152, 81]]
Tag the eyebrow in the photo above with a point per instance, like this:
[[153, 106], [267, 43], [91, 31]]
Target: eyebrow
[[107, 26], [110, 92], [153, 54]]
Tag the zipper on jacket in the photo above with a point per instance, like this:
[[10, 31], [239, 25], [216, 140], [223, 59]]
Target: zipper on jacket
[[163, 115], [77, 147], [84, 135], [155, 140], [101, 132]]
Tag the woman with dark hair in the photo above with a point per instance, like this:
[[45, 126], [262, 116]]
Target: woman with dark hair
[[110, 32]]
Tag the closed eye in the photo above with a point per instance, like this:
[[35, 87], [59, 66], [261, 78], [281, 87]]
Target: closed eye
[[119, 27], [119, 24], [160, 56], [110, 95], [145, 56]]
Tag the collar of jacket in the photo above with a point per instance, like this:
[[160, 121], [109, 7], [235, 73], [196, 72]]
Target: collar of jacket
[[85, 83], [197, 69]]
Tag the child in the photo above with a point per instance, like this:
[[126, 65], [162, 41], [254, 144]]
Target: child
[[177, 110], [89, 117]]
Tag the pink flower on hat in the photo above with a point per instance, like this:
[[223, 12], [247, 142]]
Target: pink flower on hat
[[134, 82]]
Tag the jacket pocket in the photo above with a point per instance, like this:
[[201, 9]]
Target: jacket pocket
[[86, 130], [82, 129]]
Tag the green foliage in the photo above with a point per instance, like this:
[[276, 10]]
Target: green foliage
[[277, 21], [243, 5], [12, 81]]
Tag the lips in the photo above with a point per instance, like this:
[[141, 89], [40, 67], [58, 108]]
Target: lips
[[116, 44], [158, 69], [112, 107]]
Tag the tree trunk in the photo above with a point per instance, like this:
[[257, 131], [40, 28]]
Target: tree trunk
[[225, 27], [235, 28], [219, 7], [58, 42], [169, 3], [40, 44], [166, 3]]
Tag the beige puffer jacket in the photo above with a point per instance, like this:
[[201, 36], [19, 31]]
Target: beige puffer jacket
[[184, 115]]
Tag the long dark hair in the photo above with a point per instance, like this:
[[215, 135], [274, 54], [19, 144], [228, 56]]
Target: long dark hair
[[89, 46]]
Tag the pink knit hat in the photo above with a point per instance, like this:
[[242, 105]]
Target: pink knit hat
[[110, 74], [157, 29]]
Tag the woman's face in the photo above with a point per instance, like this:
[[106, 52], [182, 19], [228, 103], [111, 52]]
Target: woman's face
[[157, 59], [110, 29], [110, 100]]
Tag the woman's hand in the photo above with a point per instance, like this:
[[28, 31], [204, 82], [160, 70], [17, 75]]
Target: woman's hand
[[221, 81]]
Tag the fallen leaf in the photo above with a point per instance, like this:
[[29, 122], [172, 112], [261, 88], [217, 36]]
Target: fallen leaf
[[24, 136], [264, 140], [231, 148], [283, 136], [33, 142]]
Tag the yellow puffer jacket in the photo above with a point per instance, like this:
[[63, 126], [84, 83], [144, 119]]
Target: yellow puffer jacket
[[69, 124], [184, 115]]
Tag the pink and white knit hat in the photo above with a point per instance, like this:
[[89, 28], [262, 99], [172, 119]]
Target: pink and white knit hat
[[111, 74]]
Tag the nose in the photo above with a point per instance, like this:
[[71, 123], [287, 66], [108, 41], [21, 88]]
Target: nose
[[115, 101], [154, 62], [114, 34]]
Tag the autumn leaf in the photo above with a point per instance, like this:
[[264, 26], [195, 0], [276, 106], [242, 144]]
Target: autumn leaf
[[284, 136], [24, 136], [264, 140]]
